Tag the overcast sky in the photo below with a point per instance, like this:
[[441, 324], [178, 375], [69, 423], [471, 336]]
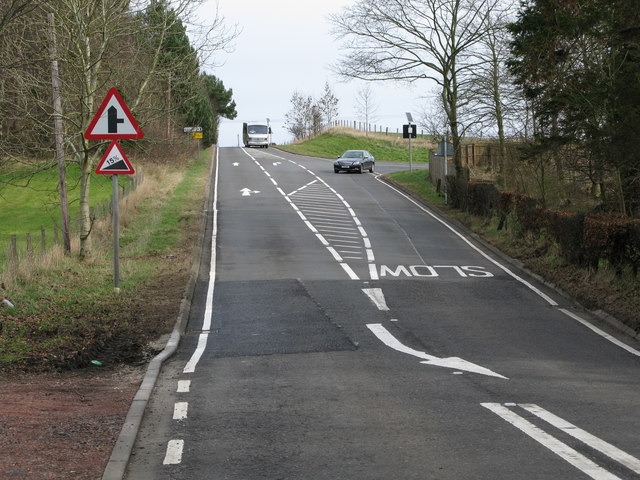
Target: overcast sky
[[287, 46]]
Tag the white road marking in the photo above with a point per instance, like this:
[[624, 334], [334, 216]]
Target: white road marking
[[180, 410], [184, 386], [174, 452], [350, 272], [190, 367], [208, 309], [538, 292], [377, 297], [603, 334], [594, 442], [247, 192], [561, 449], [455, 363], [373, 272], [313, 204]]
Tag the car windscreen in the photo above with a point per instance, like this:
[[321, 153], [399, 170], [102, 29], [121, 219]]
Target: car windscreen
[[352, 155], [258, 129]]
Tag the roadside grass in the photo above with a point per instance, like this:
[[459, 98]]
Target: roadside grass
[[66, 311], [385, 148], [419, 184]]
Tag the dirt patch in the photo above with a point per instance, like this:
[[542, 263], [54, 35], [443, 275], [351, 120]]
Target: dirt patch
[[62, 425]]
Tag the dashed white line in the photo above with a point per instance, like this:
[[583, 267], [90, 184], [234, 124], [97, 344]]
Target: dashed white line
[[184, 386], [173, 455], [180, 410]]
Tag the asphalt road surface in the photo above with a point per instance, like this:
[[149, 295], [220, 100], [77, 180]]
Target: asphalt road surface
[[342, 331]]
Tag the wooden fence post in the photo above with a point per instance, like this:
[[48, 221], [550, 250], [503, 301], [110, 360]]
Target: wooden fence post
[[14, 248]]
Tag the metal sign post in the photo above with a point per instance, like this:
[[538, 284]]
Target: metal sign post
[[411, 135], [116, 235], [114, 121], [410, 148]]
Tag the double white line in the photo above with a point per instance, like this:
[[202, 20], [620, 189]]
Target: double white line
[[561, 449]]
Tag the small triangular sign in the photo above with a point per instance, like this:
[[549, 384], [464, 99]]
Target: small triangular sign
[[113, 120], [115, 162]]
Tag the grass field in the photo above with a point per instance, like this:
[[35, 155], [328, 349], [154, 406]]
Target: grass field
[[66, 308], [30, 200]]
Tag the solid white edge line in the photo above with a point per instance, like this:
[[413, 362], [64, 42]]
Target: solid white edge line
[[585, 437], [174, 452], [190, 367], [602, 333], [561, 449], [548, 299], [208, 310]]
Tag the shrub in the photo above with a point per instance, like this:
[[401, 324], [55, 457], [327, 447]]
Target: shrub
[[505, 205], [482, 198], [632, 246], [566, 228], [604, 237], [529, 213]]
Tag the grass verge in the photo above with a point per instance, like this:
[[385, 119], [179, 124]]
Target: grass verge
[[66, 313]]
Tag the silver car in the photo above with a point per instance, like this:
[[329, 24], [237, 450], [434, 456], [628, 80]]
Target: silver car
[[354, 161]]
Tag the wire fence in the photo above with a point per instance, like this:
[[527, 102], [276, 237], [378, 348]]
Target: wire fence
[[371, 127], [30, 246]]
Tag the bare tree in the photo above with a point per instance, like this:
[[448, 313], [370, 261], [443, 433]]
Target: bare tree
[[328, 104], [95, 37], [297, 118], [366, 106], [414, 40], [493, 97]]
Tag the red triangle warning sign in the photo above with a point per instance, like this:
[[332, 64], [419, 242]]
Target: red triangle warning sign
[[113, 121], [115, 162]]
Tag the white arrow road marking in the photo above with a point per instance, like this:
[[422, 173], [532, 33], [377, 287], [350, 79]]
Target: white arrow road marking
[[275, 164], [452, 362], [561, 449], [377, 297], [246, 192], [235, 164]]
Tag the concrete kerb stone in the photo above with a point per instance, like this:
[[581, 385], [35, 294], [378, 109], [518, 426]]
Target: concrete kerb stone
[[117, 464]]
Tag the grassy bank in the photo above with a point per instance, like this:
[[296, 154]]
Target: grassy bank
[[66, 312], [385, 148]]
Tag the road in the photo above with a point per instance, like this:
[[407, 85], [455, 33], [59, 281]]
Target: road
[[341, 331]]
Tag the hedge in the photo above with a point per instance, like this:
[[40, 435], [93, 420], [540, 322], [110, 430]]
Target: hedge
[[582, 239]]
